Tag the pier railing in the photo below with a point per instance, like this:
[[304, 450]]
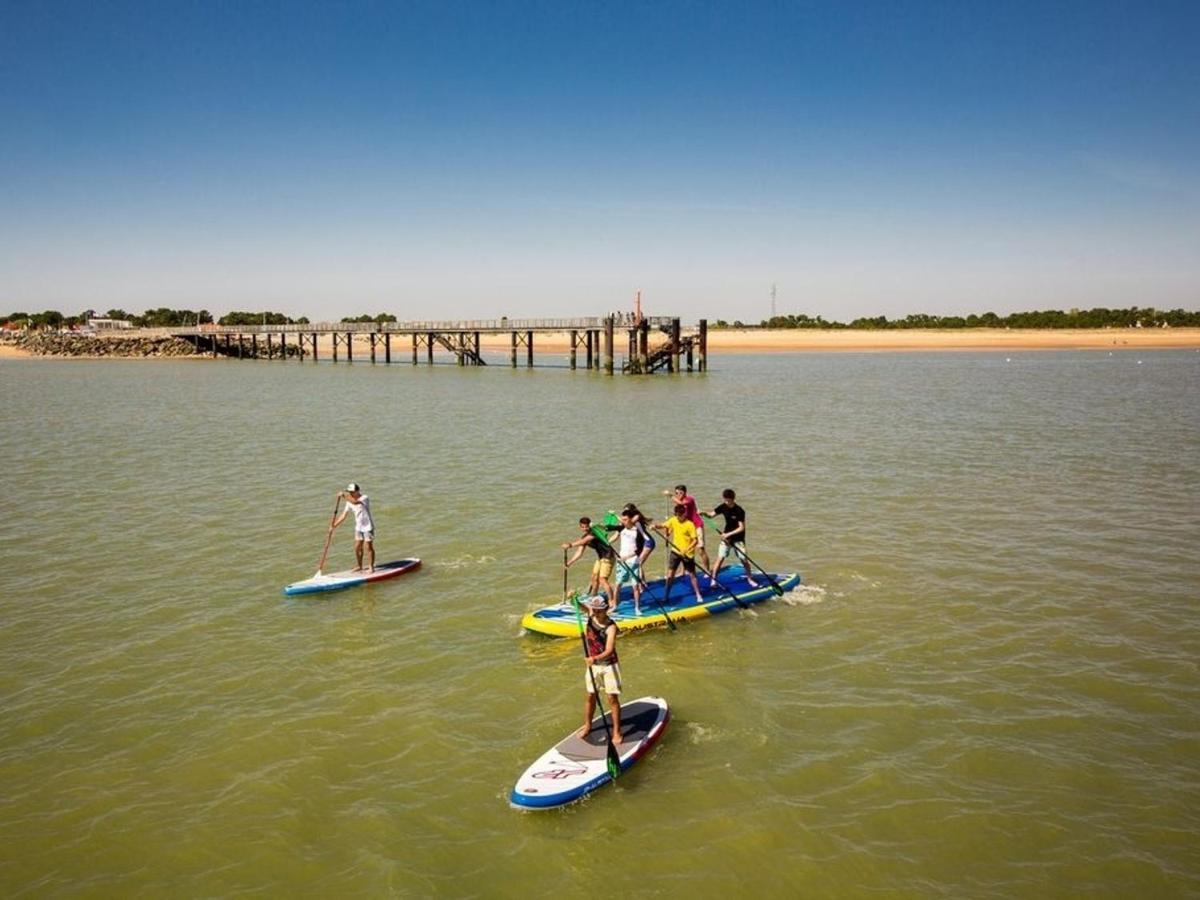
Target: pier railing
[[421, 325]]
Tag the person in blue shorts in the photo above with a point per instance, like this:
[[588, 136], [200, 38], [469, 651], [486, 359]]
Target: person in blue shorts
[[647, 543], [628, 570]]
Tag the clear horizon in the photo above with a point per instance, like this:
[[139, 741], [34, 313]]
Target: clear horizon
[[439, 160]]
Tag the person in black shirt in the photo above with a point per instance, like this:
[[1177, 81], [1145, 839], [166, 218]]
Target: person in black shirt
[[733, 537], [603, 567]]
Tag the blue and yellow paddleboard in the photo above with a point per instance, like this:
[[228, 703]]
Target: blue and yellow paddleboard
[[560, 621]]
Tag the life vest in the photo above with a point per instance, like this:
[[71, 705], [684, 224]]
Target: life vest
[[597, 640]]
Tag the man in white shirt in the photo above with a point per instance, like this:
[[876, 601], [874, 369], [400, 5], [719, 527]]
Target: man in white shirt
[[364, 526], [628, 560]]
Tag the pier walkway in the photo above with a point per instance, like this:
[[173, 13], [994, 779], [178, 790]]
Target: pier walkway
[[671, 349]]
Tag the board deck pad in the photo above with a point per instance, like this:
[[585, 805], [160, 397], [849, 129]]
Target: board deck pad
[[637, 718], [559, 619], [576, 766], [336, 581]]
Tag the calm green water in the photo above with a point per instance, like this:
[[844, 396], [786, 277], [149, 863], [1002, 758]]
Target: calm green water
[[988, 688]]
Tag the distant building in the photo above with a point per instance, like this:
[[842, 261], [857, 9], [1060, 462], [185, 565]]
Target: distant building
[[109, 324]]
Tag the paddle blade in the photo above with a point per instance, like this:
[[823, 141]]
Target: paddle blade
[[614, 762]]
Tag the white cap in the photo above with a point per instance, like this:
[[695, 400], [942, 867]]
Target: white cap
[[352, 486], [594, 603]]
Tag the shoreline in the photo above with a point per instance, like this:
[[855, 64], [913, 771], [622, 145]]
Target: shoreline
[[791, 340]]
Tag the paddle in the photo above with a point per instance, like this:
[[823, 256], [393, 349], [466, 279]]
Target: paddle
[[640, 580], [614, 760], [329, 536], [736, 599], [736, 547]]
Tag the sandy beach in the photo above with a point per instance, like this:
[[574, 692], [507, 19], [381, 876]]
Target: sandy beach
[[791, 340], [796, 339], [955, 339]]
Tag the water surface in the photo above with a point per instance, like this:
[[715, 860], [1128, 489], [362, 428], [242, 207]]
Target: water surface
[[987, 688]]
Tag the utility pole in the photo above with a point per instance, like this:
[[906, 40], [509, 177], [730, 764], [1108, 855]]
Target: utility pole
[[772, 300]]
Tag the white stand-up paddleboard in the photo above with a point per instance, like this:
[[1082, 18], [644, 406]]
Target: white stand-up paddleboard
[[336, 581], [576, 766]]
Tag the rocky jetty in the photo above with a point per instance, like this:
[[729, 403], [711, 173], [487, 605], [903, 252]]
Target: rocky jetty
[[48, 344], [45, 343]]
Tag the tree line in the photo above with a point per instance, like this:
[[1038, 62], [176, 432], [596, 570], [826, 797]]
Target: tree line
[[1100, 317], [166, 318]]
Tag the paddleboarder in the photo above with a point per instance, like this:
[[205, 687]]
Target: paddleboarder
[[603, 667], [680, 495], [734, 533], [364, 525], [646, 543], [681, 536], [629, 549], [605, 555]]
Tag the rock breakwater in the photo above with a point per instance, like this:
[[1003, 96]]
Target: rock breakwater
[[43, 344]]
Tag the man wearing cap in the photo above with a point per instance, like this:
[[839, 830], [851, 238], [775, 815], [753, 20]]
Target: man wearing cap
[[364, 526], [604, 673]]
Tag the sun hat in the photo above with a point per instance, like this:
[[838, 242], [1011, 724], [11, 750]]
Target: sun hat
[[594, 603]]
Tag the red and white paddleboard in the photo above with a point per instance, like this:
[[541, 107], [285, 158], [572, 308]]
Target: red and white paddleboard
[[336, 581], [576, 766]]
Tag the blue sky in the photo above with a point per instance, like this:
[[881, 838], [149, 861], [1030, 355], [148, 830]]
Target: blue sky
[[477, 159]]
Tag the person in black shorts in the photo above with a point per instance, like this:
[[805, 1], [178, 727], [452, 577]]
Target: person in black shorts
[[733, 536]]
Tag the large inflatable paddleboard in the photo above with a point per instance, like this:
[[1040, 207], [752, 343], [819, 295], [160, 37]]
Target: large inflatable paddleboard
[[336, 581], [576, 766], [559, 620]]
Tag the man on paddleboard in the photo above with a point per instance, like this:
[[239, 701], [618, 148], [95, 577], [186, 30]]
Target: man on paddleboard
[[681, 538], [646, 539], [605, 555], [681, 495], [629, 549], [734, 536], [364, 526], [604, 672]]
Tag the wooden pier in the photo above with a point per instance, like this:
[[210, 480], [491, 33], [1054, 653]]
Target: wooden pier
[[653, 344]]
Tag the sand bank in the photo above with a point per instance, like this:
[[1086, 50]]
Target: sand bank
[[954, 339]]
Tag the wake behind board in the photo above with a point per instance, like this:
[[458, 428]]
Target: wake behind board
[[559, 620], [576, 766], [337, 581]]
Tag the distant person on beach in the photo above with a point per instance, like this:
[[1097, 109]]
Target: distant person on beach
[[364, 526], [605, 555], [733, 538], [681, 495], [604, 672], [681, 537]]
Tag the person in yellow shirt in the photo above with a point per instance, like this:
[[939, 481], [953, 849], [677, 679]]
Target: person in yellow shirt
[[682, 539]]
